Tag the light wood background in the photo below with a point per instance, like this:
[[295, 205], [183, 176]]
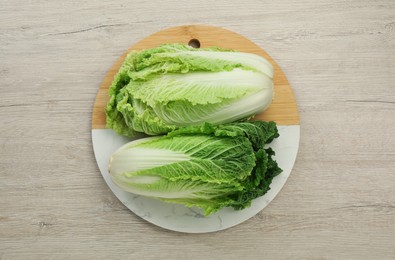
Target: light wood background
[[339, 202]]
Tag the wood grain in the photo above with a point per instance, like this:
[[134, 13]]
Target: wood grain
[[339, 202], [283, 110]]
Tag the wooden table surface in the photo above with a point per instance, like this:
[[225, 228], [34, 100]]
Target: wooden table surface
[[339, 202]]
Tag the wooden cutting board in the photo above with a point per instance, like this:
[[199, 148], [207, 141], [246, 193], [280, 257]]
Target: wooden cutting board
[[283, 110]]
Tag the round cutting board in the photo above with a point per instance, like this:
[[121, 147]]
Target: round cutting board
[[283, 111]]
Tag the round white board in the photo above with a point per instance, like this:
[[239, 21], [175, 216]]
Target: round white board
[[180, 218]]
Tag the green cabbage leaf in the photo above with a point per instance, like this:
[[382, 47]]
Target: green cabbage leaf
[[208, 166], [162, 89]]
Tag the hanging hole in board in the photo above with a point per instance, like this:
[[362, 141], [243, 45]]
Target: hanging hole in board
[[194, 43]]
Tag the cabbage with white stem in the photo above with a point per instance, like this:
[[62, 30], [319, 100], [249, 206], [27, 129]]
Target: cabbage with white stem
[[161, 89], [209, 167]]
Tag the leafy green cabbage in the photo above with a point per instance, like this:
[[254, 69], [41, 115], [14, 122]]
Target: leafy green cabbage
[[161, 89], [209, 166]]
